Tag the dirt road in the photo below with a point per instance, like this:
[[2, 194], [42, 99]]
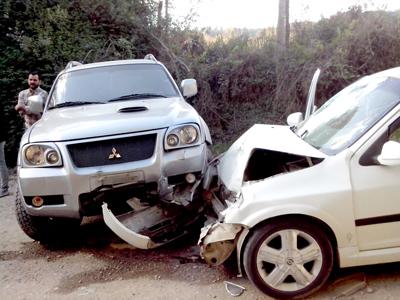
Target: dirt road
[[99, 266]]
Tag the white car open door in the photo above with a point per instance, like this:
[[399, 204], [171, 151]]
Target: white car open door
[[311, 95]]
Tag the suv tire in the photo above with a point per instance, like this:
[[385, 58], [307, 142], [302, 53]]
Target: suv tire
[[43, 229]]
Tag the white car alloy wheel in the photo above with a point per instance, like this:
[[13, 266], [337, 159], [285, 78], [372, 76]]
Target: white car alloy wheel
[[284, 266], [288, 261]]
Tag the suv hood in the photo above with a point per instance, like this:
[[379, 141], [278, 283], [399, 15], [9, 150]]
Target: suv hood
[[232, 164], [95, 120]]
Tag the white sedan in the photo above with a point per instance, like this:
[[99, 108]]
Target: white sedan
[[294, 201]]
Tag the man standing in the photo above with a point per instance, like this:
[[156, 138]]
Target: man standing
[[34, 89], [3, 166]]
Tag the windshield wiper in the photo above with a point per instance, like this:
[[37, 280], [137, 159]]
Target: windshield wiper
[[136, 96], [74, 103]]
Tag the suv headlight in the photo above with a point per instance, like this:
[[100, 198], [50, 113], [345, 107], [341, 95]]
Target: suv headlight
[[41, 155], [182, 136]]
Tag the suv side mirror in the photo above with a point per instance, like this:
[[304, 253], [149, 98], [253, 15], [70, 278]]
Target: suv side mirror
[[189, 87], [294, 118], [35, 104], [390, 155]]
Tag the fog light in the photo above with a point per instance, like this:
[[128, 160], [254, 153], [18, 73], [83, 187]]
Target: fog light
[[37, 201], [190, 178]]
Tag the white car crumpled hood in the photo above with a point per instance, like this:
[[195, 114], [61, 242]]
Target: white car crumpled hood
[[95, 120], [232, 164]]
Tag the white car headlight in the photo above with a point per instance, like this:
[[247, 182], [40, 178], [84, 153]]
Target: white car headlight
[[41, 155], [182, 136]]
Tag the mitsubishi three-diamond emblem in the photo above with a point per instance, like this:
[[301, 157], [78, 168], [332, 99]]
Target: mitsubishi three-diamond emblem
[[114, 154]]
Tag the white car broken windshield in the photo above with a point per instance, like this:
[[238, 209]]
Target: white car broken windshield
[[344, 118]]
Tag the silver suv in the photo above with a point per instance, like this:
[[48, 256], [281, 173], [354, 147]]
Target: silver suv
[[118, 134]]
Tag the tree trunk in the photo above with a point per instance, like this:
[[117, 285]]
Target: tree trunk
[[159, 16], [282, 44], [283, 29], [166, 17]]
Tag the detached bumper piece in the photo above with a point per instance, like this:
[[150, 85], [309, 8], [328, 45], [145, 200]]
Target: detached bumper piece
[[147, 227], [135, 239]]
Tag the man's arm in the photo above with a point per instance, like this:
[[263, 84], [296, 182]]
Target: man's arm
[[20, 107], [44, 98]]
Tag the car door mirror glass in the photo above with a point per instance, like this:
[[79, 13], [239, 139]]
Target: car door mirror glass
[[390, 154], [35, 104], [189, 87]]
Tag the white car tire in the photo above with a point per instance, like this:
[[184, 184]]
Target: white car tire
[[288, 258]]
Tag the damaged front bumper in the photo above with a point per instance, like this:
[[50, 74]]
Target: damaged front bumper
[[218, 240], [135, 239], [149, 225]]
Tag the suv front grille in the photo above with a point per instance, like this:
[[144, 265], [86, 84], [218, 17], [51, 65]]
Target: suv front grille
[[115, 151]]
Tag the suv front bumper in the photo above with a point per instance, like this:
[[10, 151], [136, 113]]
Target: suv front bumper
[[70, 182]]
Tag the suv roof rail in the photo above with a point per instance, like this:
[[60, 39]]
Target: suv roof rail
[[73, 63], [150, 57]]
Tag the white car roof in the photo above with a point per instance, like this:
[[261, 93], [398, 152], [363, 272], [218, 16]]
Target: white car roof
[[394, 72]]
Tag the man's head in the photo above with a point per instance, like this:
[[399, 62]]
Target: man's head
[[33, 80]]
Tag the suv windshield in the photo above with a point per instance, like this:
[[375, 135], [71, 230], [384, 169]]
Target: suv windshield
[[117, 83], [344, 118]]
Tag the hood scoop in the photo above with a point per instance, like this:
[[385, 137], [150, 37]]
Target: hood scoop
[[132, 109]]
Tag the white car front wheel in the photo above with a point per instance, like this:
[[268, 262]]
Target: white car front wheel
[[288, 258]]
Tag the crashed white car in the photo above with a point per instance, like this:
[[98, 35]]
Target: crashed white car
[[294, 201]]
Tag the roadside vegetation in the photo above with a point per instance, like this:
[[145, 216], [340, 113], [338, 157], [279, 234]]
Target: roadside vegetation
[[236, 70]]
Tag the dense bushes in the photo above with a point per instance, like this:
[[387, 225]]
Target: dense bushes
[[236, 70], [238, 75]]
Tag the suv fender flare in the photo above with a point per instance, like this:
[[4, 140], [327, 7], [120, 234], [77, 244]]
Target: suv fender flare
[[206, 131]]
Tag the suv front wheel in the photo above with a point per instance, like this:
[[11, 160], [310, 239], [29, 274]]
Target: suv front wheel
[[44, 229]]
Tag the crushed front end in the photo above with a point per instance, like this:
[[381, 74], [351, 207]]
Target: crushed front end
[[231, 180]]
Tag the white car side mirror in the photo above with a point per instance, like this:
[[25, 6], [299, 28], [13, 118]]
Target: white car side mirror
[[189, 87], [294, 118], [390, 155], [35, 104]]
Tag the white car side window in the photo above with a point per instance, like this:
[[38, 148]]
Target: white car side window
[[395, 136]]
